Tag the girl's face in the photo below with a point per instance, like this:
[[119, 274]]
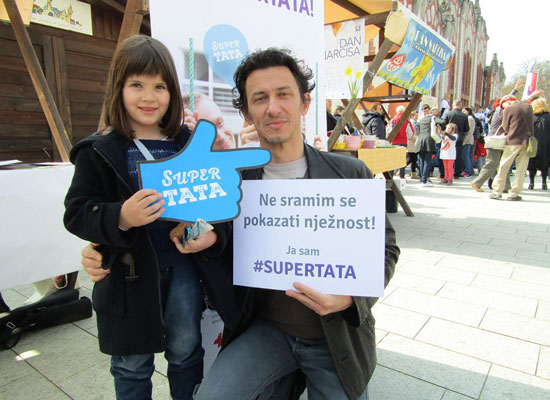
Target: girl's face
[[449, 130], [146, 100]]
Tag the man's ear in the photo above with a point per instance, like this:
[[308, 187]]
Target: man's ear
[[306, 104]]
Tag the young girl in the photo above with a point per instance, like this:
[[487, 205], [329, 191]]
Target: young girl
[[151, 300], [448, 152]]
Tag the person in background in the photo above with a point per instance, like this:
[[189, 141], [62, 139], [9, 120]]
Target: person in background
[[425, 146], [541, 161], [468, 144], [206, 108], [374, 121], [406, 132], [411, 146], [448, 152], [457, 117], [445, 105], [517, 123]]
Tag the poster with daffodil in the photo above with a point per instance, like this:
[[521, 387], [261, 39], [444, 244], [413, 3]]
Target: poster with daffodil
[[344, 59]]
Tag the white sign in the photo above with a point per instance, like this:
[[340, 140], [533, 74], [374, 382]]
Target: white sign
[[71, 15], [35, 245], [328, 234], [223, 32], [344, 59]]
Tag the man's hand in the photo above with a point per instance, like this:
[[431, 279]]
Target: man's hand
[[322, 304], [141, 209], [195, 245], [249, 135], [91, 261]]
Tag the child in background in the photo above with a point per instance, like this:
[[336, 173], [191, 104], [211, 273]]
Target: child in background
[[448, 152], [151, 299]]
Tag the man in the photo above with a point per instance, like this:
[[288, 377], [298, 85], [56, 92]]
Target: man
[[457, 117], [205, 108], [374, 122], [328, 338], [518, 125]]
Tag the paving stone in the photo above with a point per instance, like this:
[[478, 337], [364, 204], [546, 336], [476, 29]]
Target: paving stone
[[387, 384], [543, 369], [11, 369], [477, 264], [96, 383], [439, 272], [462, 374], [488, 346], [449, 395], [524, 289], [528, 273], [416, 282], [13, 298], [32, 386], [543, 311], [380, 334], [397, 320], [497, 233], [475, 248], [517, 326], [56, 360], [507, 384], [516, 244], [489, 298], [452, 310]]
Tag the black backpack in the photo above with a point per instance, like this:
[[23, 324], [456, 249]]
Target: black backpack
[[478, 131], [57, 308]]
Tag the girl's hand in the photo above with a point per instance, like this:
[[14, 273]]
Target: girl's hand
[[190, 119], [139, 209], [195, 245]]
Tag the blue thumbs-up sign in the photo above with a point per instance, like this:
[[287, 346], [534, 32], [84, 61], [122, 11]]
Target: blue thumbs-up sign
[[198, 182]]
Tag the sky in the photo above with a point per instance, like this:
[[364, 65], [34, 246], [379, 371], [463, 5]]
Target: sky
[[518, 31]]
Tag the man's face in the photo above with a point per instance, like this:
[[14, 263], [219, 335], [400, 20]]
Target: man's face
[[275, 106], [210, 111]]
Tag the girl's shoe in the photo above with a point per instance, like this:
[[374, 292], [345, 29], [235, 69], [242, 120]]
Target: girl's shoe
[[450, 182], [531, 186], [444, 181]]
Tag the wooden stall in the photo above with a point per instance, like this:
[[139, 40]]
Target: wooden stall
[[382, 18], [75, 67]]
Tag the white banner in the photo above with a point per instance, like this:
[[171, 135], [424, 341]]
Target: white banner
[[344, 59], [35, 245], [223, 32], [327, 234]]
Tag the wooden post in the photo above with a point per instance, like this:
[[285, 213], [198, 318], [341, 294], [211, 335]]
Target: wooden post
[[39, 81], [352, 105], [131, 25]]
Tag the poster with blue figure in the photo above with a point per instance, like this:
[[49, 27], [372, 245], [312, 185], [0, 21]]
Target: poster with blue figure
[[198, 182], [224, 47], [420, 60]]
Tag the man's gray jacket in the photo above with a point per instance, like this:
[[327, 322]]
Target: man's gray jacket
[[349, 333]]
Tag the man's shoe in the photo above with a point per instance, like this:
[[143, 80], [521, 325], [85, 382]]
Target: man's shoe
[[476, 188], [427, 184], [515, 198], [531, 186], [495, 196], [544, 187]]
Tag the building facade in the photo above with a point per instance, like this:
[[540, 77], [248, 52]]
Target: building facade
[[469, 78]]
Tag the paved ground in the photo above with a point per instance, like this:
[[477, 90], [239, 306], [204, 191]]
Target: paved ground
[[466, 316]]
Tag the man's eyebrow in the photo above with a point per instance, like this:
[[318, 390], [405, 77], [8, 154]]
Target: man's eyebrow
[[260, 92]]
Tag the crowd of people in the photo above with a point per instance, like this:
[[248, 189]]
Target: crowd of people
[[452, 140]]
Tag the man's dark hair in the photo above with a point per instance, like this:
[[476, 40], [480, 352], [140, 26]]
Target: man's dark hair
[[262, 59]]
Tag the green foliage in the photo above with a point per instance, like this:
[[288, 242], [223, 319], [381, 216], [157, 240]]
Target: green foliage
[[541, 67]]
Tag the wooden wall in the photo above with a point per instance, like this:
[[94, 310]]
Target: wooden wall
[[76, 68]]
